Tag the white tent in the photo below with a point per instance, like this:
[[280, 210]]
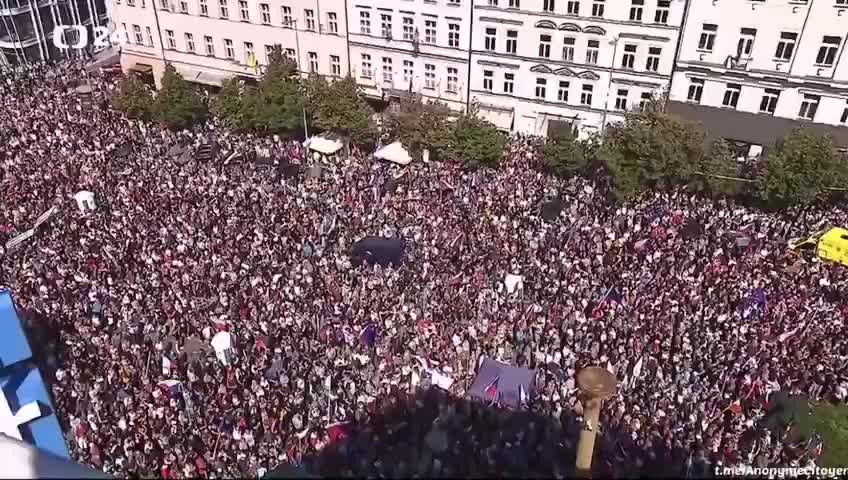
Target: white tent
[[222, 342], [85, 200], [394, 153], [325, 145], [513, 282]]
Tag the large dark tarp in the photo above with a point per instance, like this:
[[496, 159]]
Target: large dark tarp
[[383, 251], [502, 383]]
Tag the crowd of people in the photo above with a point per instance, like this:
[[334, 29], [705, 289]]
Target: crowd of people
[[700, 327]]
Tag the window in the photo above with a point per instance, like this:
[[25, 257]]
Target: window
[[598, 8], [204, 8], [769, 101], [183, 6], [365, 23], [313, 62], [541, 87], [189, 40], [707, 40], [386, 26], [335, 65], [562, 93], [786, 46], [493, 3], [430, 31], [244, 11], [455, 2], [844, 118], [488, 80], [265, 13], [629, 56], [210, 46], [137, 31], [545, 46], [592, 49], [228, 49], [573, 7], [223, 9], [746, 42], [548, 5], [453, 80], [291, 56], [696, 88], [644, 99], [653, 62], [149, 36], [586, 95], [248, 53], [387, 70], [731, 95], [661, 14], [621, 99], [512, 41], [509, 82], [309, 16], [287, 17], [491, 36], [809, 106], [429, 76], [408, 72], [636, 7], [169, 37], [366, 65], [408, 28], [453, 35], [514, 4], [333, 22], [268, 50], [568, 49], [165, 5], [827, 52]]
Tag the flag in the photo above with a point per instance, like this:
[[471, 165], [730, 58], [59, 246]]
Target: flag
[[171, 388], [523, 398], [614, 296], [339, 431], [252, 63], [735, 407], [167, 365], [368, 337], [491, 389]]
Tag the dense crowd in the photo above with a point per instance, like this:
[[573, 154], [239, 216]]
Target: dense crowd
[[700, 327]]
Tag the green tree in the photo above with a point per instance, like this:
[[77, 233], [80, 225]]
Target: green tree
[[339, 107], [651, 150], [563, 154], [277, 105], [830, 424], [717, 169], [476, 142], [800, 170], [177, 104], [229, 106], [133, 98], [419, 125]]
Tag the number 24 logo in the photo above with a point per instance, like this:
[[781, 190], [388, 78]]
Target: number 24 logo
[[102, 38]]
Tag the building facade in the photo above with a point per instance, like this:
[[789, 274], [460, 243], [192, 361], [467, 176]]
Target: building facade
[[26, 27], [537, 64], [399, 47], [751, 71], [208, 41]]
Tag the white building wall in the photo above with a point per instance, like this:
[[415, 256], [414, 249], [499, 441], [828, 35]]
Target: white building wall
[[436, 56], [794, 75], [522, 109], [323, 37]]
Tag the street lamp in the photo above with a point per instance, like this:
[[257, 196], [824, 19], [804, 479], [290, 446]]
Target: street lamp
[[614, 43], [596, 384]]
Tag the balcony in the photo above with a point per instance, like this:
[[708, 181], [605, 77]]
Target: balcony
[[737, 63]]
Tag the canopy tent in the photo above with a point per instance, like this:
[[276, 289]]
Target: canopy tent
[[383, 251], [222, 343], [503, 383], [324, 144], [395, 153], [551, 209]]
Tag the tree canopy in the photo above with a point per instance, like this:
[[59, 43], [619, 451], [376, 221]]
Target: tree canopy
[[563, 154], [800, 170], [134, 99], [277, 105], [229, 106], [717, 170], [476, 142], [338, 107], [177, 104], [419, 125]]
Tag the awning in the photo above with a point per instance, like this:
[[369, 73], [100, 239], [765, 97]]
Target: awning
[[394, 153], [500, 117], [142, 68], [325, 145], [200, 76]]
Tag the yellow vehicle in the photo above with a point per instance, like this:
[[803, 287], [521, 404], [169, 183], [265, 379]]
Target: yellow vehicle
[[829, 244]]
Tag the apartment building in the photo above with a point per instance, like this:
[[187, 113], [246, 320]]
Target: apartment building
[[752, 70], [399, 47], [26, 26], [537, 64], [208, 41]]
